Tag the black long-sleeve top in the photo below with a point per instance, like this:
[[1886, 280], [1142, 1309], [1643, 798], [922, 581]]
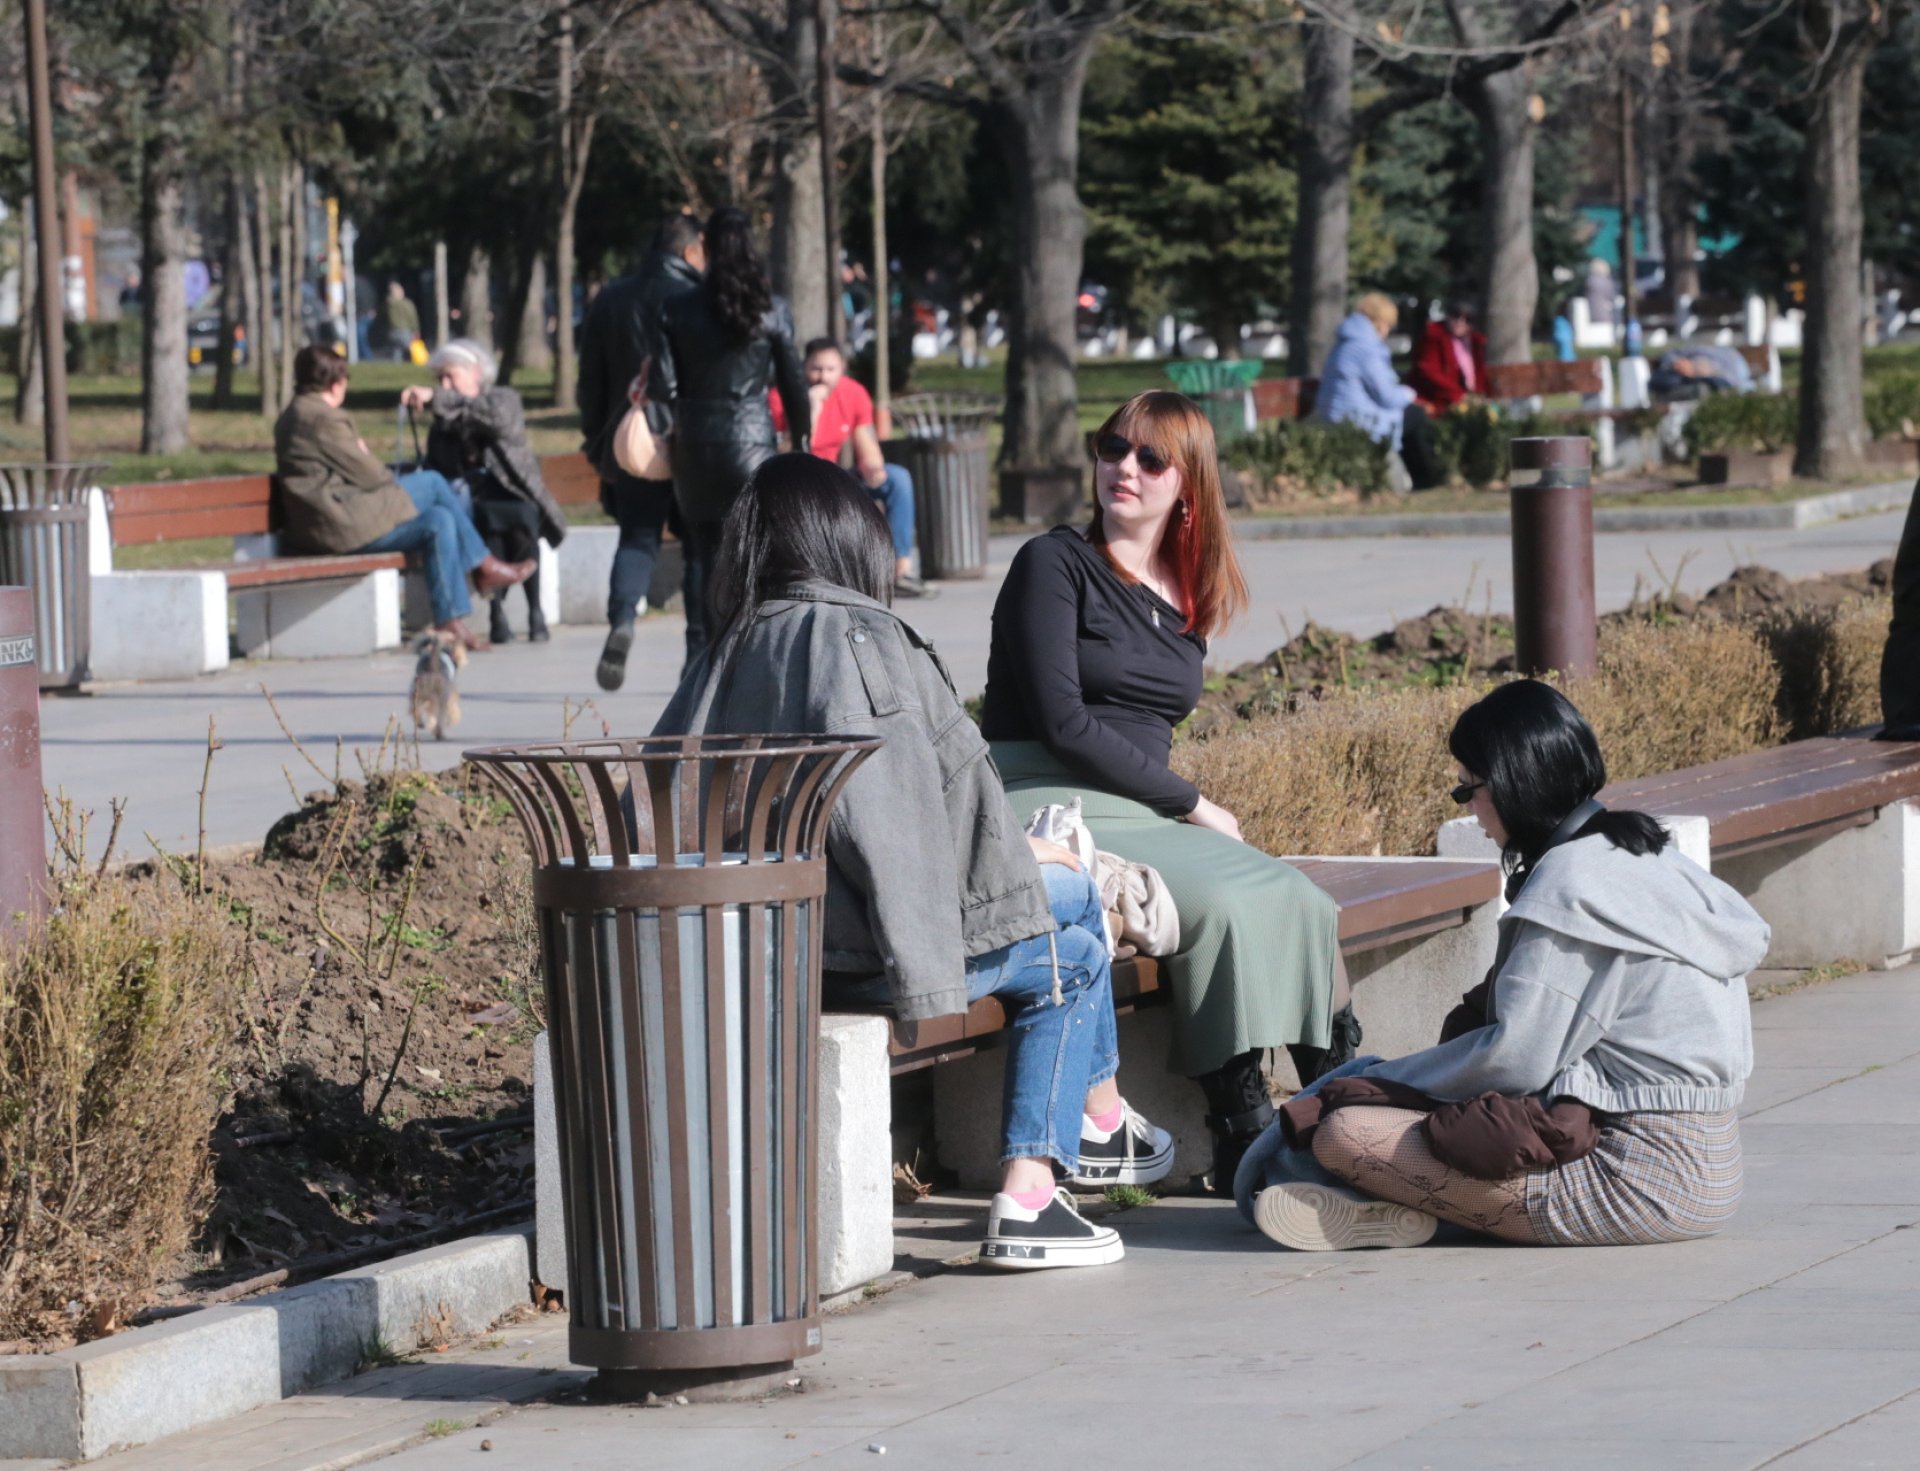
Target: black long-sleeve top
[[1095, 668]]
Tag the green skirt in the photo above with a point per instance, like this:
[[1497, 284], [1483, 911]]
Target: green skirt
[[1257, 939]]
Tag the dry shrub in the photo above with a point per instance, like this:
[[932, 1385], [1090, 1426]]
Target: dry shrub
[[1668, 695], [114, 1025], [1352, 774], [1829, 661]]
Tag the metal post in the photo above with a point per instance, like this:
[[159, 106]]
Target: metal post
[[1629, 295], [23, 856], [882, 286], [46, 221], [1554, 625]]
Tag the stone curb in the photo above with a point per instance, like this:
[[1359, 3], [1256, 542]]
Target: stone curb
[[1784, 515], [206, 1366]]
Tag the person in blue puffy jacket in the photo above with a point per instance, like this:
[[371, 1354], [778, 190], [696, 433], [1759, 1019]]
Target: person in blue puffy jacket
[[1358, 386]]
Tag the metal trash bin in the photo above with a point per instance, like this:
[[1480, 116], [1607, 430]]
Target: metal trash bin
[[1224, 390], [945, 449], [680, 942], [44, 546]]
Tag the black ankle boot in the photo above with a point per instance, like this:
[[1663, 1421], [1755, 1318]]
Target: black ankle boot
[[536, 620], [1238, 1112], [497, 630], [1342, 1046]]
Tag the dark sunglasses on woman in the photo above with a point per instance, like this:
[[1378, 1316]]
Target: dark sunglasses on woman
[[1463, 793], [1112, 448]]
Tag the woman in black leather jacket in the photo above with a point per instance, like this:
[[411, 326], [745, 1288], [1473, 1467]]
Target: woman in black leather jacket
[[726, 343]]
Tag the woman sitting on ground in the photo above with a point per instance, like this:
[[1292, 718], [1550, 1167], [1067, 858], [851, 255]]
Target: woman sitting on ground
[[1099, 638], [1358, 386], [934, 897], [479, 441], [337, 497], [1609, 1050]]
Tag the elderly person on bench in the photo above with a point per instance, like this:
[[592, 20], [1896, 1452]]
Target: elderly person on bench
[[337, 497]]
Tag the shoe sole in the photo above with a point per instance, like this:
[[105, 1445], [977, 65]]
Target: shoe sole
[[611, 672], [1034, 1256], [1147, 1170], [1314, 1218]]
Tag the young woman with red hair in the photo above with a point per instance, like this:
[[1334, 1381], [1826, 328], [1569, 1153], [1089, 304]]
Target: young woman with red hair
[[1099, 640]]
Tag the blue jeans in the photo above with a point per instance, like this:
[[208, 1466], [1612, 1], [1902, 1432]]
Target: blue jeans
[[1058, 1049], [895, 495], [1272, 1161], [640, 507], [445, 537]]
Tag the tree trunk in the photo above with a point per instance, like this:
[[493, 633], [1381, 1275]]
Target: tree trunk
[[1041, 136], [799, 258], [442, 324], [232, 296], [1679, 229], [1510, 282], [1326, 195], [289, 284], [163, 326], [533, 351], [248, 270], [301, 270], [1833, 428], [476, 297], [30, 402], [574, 149], [260, 308]]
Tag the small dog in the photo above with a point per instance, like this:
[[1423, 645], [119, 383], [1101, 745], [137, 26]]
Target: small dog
[[436, 703]]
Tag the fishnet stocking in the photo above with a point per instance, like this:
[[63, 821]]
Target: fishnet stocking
[[1383, 1152]]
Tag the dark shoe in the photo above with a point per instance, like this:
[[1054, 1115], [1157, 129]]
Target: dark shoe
[[612, 669], [1135, 1153], [1903, 731], [492, 575], [1343, 1045], [1238, 1112], [913, 587], [497, 629], [460, 631], [537, 626], [1056, 1235]]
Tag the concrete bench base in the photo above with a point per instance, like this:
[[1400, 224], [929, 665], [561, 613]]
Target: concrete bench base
[[855, 1196], [317, 620], [1852, 895], [157, 625], [586, 567], [416, 609]]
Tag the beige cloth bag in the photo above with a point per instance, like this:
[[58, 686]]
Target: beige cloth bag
[[1141, 919], [636, 449]]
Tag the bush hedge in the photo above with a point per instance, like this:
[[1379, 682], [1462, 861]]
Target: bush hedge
[[1320, 458], [1762, 422]]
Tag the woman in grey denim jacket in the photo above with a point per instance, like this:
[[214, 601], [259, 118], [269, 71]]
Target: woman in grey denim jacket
[[935, 898]]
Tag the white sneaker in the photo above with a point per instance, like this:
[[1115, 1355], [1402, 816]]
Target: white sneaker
[[1135, 1152], [1336, 1218], [1056, 1235]]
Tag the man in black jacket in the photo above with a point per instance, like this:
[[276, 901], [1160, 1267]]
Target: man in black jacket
[[619, 335]]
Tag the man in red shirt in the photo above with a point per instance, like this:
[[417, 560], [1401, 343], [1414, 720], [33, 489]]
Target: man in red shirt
[[843, 424]]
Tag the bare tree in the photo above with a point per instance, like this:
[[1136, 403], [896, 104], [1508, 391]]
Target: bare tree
[[1326, 190]]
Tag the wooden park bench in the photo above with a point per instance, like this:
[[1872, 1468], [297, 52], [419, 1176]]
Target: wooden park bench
[[1283, 398], [1822, 836]]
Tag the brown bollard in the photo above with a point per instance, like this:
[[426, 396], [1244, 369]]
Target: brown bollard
[[1554, 626], [23, 822]]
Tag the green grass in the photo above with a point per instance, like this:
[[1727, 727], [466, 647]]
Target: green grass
[[1130, 1197], [439, 1428]]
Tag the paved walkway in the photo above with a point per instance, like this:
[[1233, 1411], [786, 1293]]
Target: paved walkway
[[1791, 1341], [147, 742]]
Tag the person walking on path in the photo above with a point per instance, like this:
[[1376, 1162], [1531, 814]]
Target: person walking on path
[[400, 321], [1616, 1024], [843, 423], [1358, 386], [1099, 641], [1900, 659], [934, 895], [726, 344], [479, 440], [619, 339], [338, 498]]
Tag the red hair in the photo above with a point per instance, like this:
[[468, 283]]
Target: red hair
[[1198, 542]]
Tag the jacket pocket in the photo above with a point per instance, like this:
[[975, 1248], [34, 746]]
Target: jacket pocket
[[872, 665]]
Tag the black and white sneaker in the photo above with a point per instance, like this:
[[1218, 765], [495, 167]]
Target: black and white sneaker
[[1056, 1235], [611, 671], [1134, 1153]]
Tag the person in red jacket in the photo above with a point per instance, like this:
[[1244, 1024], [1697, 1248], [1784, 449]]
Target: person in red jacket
[[1450, 363]]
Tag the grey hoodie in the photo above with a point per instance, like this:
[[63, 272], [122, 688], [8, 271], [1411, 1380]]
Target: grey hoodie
[[1622, 984]]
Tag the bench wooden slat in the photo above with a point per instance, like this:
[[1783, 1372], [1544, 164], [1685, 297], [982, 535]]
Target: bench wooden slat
[[571, 478], [226, 505], [276, 571], [1550, 376], [1784, 794], [1284, 398]]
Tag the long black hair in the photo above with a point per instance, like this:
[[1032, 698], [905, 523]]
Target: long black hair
[[736, 276], [800, 518], [1540, 761]]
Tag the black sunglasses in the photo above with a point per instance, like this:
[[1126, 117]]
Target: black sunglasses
[[1463, 793], [1112, 448]]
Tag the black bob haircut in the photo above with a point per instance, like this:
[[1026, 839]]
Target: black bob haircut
[[1540, 760], [800, 519]]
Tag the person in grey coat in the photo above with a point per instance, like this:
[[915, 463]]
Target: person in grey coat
[[1619, 983], [935, 897], [478, 440]]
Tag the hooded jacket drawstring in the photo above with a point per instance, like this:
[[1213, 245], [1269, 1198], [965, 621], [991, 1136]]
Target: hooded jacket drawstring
[[1053, 959]]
